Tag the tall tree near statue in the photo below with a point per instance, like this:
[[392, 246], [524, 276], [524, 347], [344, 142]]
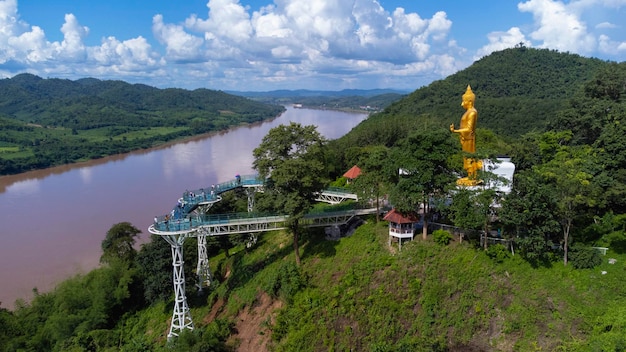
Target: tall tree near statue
[[571, 174], [425, 158], [377, 172], [291, 158]]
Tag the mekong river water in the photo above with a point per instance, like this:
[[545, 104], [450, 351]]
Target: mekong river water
[[53, 221]]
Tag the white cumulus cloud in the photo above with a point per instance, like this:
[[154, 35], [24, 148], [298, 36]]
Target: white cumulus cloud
[[26, 48], [558, 26], [294, 41], [502, 40], [321, 44]]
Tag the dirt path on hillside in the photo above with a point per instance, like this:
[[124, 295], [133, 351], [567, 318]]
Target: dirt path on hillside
[[253, 333]]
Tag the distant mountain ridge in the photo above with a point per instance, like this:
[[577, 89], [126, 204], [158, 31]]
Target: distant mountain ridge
[[368, 100], [92, 103], [319, 93]]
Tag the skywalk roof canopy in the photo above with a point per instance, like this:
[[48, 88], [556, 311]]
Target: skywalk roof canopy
[[353, 173], [400, 218]]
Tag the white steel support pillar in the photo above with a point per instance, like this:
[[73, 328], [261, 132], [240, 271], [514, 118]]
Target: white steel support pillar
[[250, 192], [203, 270], [181, 317]]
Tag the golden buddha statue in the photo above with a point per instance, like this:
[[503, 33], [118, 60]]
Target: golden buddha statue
[[467, 134]]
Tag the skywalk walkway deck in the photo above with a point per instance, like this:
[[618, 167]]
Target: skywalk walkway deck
[[235, 223], [182, 218]]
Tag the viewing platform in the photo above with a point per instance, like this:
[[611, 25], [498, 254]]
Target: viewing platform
[[182, 219]]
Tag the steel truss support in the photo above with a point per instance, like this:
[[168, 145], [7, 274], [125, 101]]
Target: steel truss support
[[203, 270], [250, 193], [330, 198], [204, 208], [335, 197], [181, 317]]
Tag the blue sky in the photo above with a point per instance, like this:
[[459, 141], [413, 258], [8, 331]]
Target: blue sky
[[263, 45]]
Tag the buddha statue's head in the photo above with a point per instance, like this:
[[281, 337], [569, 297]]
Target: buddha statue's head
[[469, 95]]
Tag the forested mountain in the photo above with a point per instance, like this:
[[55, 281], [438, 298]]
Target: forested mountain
[[517, 90], [47, 122], [90, 103]]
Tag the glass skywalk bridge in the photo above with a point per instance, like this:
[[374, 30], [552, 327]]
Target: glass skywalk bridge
[[190, 218], [180, 218]]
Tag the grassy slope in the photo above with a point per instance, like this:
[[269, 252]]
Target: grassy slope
[[357, 294]]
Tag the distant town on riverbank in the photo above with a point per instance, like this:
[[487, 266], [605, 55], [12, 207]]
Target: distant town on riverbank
[[357, 100]]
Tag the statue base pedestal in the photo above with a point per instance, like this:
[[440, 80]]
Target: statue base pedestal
[[468, 182]]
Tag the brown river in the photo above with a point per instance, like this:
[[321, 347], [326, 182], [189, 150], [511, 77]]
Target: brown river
[[53, 221]]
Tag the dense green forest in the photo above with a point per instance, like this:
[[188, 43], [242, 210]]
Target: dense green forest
[[543, 286], [47, 122], [517, 91]]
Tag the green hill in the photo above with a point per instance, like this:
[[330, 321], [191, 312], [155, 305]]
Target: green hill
[[517, 90], [349, 294], [49, 122]]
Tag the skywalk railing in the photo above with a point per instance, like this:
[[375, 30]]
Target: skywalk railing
[[217, 224], [338, 191], [211, 192]]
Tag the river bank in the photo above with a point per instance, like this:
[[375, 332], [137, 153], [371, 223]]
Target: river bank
[[50, 147]]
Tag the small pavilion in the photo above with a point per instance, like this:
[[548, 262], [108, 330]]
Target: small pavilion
[[401, 226], [353, 173]]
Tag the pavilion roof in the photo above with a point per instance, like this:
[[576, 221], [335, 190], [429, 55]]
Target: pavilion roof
[[353, 173], [401, 218]]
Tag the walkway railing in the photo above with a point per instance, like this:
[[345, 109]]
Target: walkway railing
[[222, 224], [178, 218]]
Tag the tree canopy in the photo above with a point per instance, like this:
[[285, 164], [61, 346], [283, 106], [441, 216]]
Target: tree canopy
[[427, 171], [292, 157], [118, 243]]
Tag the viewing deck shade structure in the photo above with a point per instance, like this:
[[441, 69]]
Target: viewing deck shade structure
[[187, 220], [401, 226], [353, 173]]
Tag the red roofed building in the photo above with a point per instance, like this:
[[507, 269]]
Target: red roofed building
[[401, 225], [353, 173]]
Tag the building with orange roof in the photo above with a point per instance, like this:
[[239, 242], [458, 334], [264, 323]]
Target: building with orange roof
[[401, 225]]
